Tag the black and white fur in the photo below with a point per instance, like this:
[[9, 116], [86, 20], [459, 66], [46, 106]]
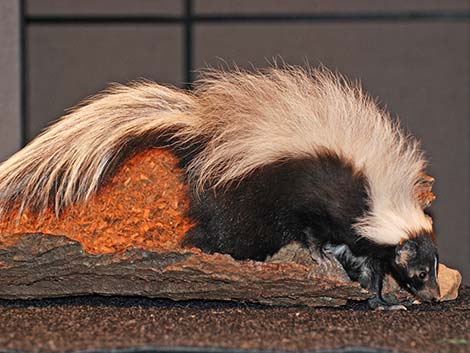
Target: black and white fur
[[270, 157]]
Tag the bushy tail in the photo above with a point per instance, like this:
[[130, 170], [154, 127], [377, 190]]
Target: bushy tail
[[67, 162]]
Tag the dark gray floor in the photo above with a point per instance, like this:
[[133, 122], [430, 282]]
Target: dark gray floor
[[99, 323]]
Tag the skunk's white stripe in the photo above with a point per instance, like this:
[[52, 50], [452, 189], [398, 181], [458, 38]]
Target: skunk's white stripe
[[250, 120]]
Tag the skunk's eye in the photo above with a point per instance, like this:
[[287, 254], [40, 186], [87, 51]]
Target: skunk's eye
[[422, 275]]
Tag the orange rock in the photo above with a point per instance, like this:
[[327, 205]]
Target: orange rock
[[142, 206]]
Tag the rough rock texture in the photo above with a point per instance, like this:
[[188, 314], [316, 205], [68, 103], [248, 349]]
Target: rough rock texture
[[43, 266], [39, 266]]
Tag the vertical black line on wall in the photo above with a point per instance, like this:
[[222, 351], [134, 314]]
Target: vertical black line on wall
[[188, 43], [23, 74]]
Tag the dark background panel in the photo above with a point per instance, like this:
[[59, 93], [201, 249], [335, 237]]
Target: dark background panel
[[418, 70], [10, 78], [69, 63], [322, 6], [103, 7]]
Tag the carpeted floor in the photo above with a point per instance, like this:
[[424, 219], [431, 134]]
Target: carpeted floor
[[99, 323]]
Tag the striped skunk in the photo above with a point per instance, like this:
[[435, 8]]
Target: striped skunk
[[273, 156]]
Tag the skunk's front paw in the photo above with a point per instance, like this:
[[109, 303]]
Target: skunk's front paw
[[381, 304]]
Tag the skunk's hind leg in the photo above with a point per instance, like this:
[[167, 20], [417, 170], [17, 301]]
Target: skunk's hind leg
[[198, 237]]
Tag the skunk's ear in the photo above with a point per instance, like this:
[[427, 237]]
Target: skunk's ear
[[404, 252]]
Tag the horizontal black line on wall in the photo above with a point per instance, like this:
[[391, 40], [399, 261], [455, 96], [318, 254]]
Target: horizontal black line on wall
[[343, 17]]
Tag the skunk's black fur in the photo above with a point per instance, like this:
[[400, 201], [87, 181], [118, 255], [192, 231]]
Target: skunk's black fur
[[294, 200]]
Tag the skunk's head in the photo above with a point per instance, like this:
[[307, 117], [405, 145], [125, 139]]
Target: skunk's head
[[415, 266]]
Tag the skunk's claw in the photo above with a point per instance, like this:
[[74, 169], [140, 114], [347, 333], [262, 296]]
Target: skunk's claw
[[391, 307]]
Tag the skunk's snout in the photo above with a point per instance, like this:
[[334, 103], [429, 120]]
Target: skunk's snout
[[430, 294]]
